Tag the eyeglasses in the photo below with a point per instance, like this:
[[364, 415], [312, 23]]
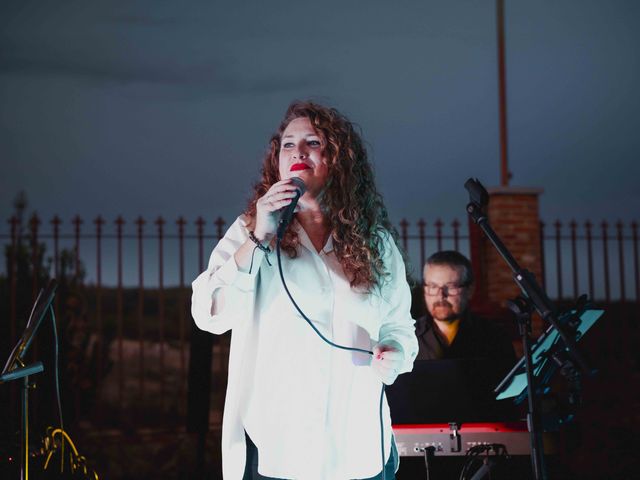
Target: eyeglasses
[[450, 289]]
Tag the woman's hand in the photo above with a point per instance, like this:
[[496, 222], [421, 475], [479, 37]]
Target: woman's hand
[[387, 360], [267, 207]]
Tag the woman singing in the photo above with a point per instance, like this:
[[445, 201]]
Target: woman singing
[[296, 406]]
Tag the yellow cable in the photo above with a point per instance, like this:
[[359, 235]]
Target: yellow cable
[[76, 455]]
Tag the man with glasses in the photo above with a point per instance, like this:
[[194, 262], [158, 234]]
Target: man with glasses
[[461, 359], [450, 330]]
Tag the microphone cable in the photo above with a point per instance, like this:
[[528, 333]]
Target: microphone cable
[[56, 365], [335, 345]]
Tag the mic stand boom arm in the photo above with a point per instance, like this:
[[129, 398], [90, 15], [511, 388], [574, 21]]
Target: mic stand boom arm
[[525, 279]]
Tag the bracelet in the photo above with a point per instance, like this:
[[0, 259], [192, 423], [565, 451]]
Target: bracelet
[[262, 247]]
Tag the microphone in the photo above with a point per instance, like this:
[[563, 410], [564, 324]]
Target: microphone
[[477, 193], [287, 213]]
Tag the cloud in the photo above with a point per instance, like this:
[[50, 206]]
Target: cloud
[[212, 77]]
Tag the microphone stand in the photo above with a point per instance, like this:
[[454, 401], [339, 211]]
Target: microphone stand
[[17, 373], [533, 298], [16, 368]]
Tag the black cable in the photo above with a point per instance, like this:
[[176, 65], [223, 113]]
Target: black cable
[[284, 284], [382, 435], [253, 252], [474, 453], [428, 455], [342, 347], [266, 254], [57, 377], [57, 371]]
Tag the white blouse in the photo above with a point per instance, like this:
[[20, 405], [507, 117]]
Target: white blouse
[[311, 409]]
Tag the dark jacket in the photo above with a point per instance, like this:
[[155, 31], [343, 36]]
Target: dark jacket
[[476, 338], [458, 380]]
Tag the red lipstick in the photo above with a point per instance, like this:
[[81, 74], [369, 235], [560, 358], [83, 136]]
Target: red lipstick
[[299, 166]]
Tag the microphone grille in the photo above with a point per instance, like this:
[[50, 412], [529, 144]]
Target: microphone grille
[[297, 181]]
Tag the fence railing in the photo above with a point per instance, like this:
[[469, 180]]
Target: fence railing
[[134, 278], [600, 260]]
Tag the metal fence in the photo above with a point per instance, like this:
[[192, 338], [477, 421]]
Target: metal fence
[[135, 283], [136, 278], [599, 260]]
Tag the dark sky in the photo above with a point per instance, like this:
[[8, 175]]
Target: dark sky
[[152, 107]]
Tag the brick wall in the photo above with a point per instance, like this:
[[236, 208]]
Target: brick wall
[[513, 214]]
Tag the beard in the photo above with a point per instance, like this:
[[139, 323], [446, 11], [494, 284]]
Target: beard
[[443, 311]]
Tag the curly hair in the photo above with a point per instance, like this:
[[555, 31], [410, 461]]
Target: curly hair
[[354, 208]]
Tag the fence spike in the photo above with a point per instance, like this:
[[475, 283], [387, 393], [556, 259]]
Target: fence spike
[[219, 223]]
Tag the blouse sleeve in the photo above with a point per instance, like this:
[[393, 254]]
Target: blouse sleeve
[[397, 327], [222, 277]]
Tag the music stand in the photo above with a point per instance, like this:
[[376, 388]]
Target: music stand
[[548, 345], [15, 367]]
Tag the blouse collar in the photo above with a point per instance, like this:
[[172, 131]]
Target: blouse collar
[[306, 241]]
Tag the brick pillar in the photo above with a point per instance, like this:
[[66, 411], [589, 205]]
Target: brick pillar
[[513, 213]]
